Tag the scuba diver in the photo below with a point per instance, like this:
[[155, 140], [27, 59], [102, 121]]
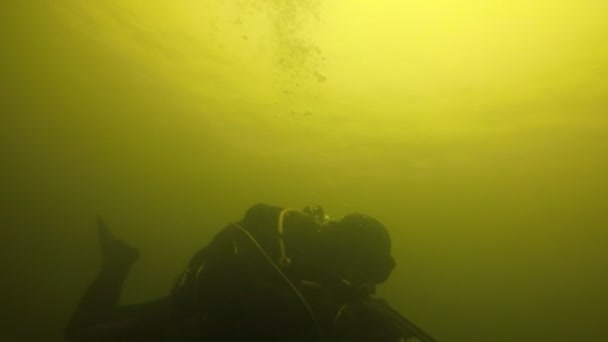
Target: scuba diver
[[278, 274]]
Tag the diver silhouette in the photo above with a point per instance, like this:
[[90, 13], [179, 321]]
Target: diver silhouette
[[278, 274]]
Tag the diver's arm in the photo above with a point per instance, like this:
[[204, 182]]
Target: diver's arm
[[354, 326], [372, 319]]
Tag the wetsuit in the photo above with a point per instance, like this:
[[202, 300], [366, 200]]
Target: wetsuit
[[231, 292]]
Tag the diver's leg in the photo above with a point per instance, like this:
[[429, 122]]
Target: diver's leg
[[102, 297]]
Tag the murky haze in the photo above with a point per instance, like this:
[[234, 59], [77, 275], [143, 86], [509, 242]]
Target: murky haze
[[475, 130]]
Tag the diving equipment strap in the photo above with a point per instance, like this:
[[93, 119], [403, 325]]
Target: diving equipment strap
[[284, 260]]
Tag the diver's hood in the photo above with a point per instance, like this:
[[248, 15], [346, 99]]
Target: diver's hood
[[362, 244]]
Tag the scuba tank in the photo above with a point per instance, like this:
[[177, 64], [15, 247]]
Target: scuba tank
[[249, 264]]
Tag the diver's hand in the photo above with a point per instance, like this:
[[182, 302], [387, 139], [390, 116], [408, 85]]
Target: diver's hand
[[114, 251]]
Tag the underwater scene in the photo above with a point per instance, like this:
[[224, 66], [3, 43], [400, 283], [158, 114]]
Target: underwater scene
[[394, 170]]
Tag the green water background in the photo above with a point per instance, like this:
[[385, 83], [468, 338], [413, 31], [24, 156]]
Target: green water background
[[475, 130]]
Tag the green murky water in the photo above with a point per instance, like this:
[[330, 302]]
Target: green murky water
[[475, 130]]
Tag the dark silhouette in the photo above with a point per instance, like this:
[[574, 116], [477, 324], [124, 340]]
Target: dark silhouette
[[276, 275]]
